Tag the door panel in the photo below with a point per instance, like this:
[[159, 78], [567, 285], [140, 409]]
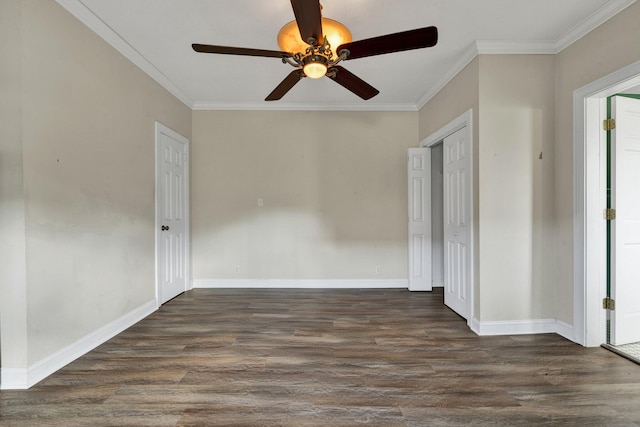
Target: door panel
[[419, 173], [172, 225], [455, 222], [625, 229]]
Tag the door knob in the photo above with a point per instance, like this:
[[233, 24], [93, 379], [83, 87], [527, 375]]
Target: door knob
[[165, 228]]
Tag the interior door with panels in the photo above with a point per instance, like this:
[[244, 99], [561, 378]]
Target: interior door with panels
[[419, 173], [456, 217], [172, 213]]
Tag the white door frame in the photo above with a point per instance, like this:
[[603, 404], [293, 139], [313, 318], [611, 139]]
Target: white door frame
[[589, 177], [159, 130], [464, 120]]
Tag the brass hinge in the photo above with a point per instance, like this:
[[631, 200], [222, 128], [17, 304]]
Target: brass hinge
[[609, 124], [609, 214], [608, 304]]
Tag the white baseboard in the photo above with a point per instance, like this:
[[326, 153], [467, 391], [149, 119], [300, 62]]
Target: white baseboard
[[14, 378], [300, 284], [565, 330], [23, 378], [522, 327]]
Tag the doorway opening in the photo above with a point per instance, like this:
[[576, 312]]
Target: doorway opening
[[590, 189], [623, 230], [437, 216], [450, 213]]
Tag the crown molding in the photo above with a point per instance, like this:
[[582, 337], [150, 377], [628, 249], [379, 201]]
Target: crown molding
[[480, 47], [95, 24], [549, 47], [503, 47], [507, 47], [468, 55], [271, 106], [597, 18]]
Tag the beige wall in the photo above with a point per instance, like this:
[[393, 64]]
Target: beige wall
[[526, 107], [609, 48], [13, 296], [88, 165], [516, 127], [512, 97], [334, 191]]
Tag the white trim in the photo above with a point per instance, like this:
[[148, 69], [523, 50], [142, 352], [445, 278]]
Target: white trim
[[283, 106], [466, 57], [463, 120], [508, 47], [162, 129], [521, 327], [565, 330], [588, 288], [597, 18], [300, 284], [23, 378], [109, 35], [14, 378]]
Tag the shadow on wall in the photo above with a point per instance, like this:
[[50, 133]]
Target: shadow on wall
[[332, 187]]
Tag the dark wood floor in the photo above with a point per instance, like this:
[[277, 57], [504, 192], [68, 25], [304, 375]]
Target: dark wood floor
[[327, 358]]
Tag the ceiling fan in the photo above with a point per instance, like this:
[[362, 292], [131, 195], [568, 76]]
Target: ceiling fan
[[307, 42]]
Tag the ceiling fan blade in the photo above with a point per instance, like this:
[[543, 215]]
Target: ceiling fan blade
[[355, 84], [309, 18], [228, 50], [397, 42], [286, 85]]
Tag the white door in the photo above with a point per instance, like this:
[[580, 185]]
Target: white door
[[172, 180], [456, 218], [419, 172], [625, 229]]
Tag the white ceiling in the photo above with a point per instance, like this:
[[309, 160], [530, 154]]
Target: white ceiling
[[157, 35]]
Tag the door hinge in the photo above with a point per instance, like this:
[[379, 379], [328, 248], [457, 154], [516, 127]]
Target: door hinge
[[609, 214], [609, 124], [608, 304]]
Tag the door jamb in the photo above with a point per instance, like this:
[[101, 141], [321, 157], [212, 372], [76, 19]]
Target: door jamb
[[589, 258], [162, 129], [464, 120]]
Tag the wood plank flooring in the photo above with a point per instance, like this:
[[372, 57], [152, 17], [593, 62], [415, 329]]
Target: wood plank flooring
[[327, 358]]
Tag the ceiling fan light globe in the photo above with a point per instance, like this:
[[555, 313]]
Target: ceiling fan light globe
[[336, 33], [289, 39], [315, 70]]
